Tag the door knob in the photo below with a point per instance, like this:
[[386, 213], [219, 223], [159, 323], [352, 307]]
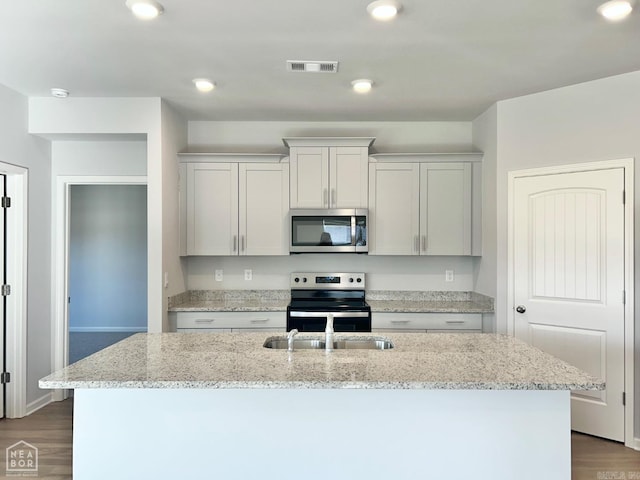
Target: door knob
[[521, 309]]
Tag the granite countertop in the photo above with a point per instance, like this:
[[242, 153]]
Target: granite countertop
[[238, 360], [379, 300], [429, 302], [230, 301]]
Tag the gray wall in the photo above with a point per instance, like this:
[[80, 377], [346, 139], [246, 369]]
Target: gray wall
[[108, 258], [19, 148]]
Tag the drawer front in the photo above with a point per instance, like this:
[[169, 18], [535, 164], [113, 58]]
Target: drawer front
[[234, 320], [427, 321]]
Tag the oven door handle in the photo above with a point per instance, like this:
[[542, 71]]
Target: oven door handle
[[335, 314]]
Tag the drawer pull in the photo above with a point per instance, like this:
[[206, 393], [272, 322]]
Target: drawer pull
[[400, 321], [259, 320], [456, 322], [204, 320]]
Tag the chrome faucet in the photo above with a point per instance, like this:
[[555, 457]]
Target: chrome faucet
[[290, 337], [328, 340]]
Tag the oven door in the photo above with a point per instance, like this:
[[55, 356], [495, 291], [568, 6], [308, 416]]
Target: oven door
[[309, 321]]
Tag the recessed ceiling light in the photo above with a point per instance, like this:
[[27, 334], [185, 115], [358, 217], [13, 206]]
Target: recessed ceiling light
[[615, 10], [59, 92], [204, 84], [145, 9], [383, 9], [362, 85]]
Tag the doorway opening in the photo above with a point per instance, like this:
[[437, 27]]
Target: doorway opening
[[62, 269], [107, 265]]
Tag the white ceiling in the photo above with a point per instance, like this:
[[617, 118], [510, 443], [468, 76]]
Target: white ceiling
[[438, 60]]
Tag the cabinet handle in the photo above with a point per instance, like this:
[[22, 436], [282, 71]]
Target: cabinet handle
[[416, 244], [397, 322], [204, 320], [455, 322], [235, 242], [424, 243], [325, 199], [242, 243], [259, 320], [333, 197]]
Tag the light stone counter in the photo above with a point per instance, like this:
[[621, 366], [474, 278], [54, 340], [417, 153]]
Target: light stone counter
[[221, 406], [230, 301], [379, 300], [428, 302], [239, 361]]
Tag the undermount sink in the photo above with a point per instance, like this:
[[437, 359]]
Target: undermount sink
[[364, 343]]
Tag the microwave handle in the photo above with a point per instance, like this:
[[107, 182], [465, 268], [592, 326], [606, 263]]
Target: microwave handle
[[354, 241]]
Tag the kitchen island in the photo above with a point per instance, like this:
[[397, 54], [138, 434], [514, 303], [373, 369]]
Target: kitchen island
[[223, 406]]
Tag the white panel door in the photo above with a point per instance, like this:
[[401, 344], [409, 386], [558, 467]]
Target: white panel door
[[212, 209], [309, 177], [569, 281], [348, 177], [445, 209], [394, 194], [3, 272], [264, 207]]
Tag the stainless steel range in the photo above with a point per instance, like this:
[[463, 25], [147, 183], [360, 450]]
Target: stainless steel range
[[316, 295]]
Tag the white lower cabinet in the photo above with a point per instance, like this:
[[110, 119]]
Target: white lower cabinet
[[228, 321], [427, 322]]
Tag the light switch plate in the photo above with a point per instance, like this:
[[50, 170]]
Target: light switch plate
[[219, 275]]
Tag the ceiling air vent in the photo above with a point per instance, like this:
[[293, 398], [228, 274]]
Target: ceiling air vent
[[311, 67]]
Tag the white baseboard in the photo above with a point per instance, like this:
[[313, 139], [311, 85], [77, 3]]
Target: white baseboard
[[39, 403], [636, 444], [106, 329]]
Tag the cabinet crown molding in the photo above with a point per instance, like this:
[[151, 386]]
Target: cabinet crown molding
[[189, 157], [426, 157], [329, 141]]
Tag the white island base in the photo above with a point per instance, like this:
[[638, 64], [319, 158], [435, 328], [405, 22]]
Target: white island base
[[345, 434]]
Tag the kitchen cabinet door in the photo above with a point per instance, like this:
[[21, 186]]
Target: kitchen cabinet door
[[394, 194], [348, 177], [228, 321], [329, 177], [431, 322], [309, 177], [445, 209], [264, 208], [212, 209]]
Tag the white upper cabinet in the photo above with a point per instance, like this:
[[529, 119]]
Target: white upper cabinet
[[234, 208], [263, 209], [212, 208], [394, 208], [445, 209], [424, 208], [329, 172]]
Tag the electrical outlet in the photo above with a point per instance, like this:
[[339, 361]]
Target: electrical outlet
[[219, 275], [448, 275], [248, 274]]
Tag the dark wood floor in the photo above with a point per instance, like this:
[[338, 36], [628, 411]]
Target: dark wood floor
[[50, 430]]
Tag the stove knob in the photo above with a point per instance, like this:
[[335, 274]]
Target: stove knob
[[297, 280], [304, 280], [351, 280], [359, 280]]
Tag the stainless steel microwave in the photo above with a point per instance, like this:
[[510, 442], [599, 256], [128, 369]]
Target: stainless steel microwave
[[329, 231]]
